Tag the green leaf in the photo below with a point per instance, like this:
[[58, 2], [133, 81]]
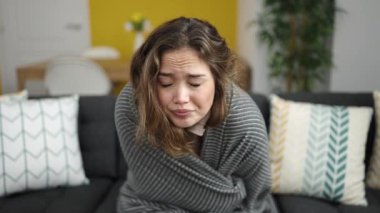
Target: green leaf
[[298, 35]]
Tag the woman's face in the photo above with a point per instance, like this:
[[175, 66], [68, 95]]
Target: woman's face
[[186, 87]]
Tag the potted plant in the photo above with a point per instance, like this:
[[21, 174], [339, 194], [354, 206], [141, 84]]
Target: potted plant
[[298, 35]]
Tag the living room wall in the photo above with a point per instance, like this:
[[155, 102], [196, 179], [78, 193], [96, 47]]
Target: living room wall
[[107, 18], [356, 47]]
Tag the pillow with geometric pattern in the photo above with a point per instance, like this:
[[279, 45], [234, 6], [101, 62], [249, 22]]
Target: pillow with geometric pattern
[[373, 175], [19, 96], [318, 150], [39, 145]]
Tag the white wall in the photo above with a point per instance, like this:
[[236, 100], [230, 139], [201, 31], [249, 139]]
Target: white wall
[[357, 46], [2, 46], [39, 30], [248, 46], [245, 34]]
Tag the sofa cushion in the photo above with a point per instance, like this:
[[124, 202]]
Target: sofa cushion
[[301, 204], [97, 136], [79, 199], [39, 145], [109, 204], [373, 176], [264, 105], [373, 198], [318, 150]]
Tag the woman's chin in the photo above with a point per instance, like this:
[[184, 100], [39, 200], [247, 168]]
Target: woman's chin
[[183, 123]]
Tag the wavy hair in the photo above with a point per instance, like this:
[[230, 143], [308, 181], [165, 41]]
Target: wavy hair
[[173, 35]]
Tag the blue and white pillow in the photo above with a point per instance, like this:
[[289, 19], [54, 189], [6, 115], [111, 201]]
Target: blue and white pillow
[[318, 150], [39, 145]]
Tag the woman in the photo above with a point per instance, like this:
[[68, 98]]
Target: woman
[[192, 140]]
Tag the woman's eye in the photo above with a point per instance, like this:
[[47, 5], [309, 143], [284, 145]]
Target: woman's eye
[[195, 85], [166, 85]]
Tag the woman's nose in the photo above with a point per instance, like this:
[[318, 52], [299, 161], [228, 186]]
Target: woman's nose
[[181, 95]]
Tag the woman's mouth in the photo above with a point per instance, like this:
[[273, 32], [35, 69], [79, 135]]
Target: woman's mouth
[[182, 113]]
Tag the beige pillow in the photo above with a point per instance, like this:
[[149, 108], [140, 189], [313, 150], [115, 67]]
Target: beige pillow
[[318, 150], [373, 175]]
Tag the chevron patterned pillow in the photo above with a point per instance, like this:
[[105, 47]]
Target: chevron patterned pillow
[[318, 150], [39, 145], [19, 96], [373, 175]]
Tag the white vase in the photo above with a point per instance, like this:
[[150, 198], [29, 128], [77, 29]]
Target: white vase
[[139, 40]]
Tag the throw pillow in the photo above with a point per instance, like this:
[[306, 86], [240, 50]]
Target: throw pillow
[[373, 175], [39, 145], [318, 150], [19, 96]]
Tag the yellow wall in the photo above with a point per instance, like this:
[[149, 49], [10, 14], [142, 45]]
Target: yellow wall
[[107, 18]]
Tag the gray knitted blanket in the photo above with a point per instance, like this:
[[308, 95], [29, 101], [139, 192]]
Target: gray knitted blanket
[[232, 173]]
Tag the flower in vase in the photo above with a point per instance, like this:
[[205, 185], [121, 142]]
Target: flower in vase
[[137, 23]]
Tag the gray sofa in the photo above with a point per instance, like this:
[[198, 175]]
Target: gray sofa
[[106, 169]]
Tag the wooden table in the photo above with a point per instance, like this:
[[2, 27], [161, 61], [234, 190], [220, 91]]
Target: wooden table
[[116, 69]]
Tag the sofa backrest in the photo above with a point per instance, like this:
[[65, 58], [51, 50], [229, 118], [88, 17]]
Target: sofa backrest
[[100, 146], [343, 99], [98, 138]]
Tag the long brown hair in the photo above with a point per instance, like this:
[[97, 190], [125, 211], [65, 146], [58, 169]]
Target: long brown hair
[[175, 34]]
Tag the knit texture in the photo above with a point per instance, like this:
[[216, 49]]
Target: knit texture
[[232, 173]]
